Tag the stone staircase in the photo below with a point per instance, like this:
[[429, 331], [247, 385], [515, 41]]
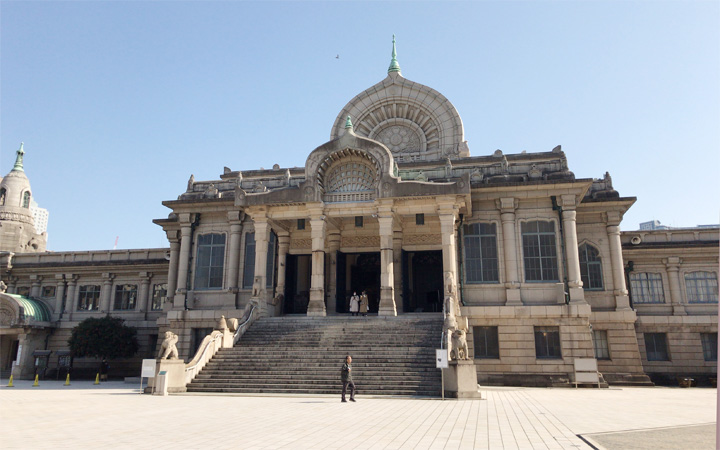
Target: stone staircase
[[303, 355]]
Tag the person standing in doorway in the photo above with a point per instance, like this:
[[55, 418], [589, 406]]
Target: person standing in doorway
[[354, 304], [364, 303], [346, 377]]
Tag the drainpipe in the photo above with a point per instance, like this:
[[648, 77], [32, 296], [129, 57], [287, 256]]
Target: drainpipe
[[629, 268], [188, 282], [559, 210], [461, 274]]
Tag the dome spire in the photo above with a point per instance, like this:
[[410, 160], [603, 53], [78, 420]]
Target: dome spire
[[19, 160], [394, 65], [348, 123]]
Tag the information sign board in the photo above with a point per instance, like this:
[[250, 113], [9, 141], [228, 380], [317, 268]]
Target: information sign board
[[441, 358], [148, 368]]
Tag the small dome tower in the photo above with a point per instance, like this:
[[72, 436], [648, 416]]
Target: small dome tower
[[17, 224]]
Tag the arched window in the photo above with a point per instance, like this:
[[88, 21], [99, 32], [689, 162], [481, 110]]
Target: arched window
[[3, 194], [26, 199], [590, 268]]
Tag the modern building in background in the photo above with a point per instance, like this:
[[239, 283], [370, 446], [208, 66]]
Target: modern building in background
[[394, 204]]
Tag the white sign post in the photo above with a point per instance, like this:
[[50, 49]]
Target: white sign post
[[441, 362], [148, 371]]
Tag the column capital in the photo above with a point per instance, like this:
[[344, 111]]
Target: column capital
[[506, 204], [185, 219], [59, 277], [235, 216], [613, 218], [108, 276], [569, 215], [672, 262], [567, 201], [34, 277], [613, 229], [172, 236]]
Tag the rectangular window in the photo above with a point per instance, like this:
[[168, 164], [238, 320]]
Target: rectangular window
[[152, 346], [209, 264], [159, 295], [656, 347], [419, 219], [539, 251], [547, 343], [701, 287], [88, 298], [23, 291], [125, 297], [358, 221], [646, 287], [301, 224], [709, 345], [48, 291], [600, 342], [481, 261], [486, 342], [249, 270]]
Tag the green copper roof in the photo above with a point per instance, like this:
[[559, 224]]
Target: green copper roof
[[348, 123], [18, 160], [394, 65], [34, 310]]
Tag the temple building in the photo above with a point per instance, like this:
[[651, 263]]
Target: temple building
[[393, 204]]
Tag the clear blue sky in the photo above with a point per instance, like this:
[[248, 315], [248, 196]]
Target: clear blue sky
[[119, 102]]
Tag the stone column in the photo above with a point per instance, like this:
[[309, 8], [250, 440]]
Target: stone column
[[672, 264], [11, 284], [283, 247], [35, 280], [333, 247], [262, 236], [144, 292], [183, 260], [577, 294], [59, 294], [72, 296], [397, 267], [622, 300], [449, 253], [173, 266], [507, 207], [106, 292], [235, 219], [387, 272], [316, 306]]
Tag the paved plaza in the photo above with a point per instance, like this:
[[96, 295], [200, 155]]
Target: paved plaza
[[115, 415]]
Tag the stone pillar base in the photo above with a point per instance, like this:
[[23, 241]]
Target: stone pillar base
[[461, 380], [622, 303], [513, 297], [577, 295], [175, 373]]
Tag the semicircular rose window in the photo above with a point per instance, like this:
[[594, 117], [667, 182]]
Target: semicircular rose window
[[351, 181]]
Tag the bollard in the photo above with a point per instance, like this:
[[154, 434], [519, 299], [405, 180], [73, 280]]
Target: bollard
[[36, 384], [97, 379], [67, 380], [10, 382]]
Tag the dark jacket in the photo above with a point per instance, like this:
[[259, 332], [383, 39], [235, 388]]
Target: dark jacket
[[346, 372]]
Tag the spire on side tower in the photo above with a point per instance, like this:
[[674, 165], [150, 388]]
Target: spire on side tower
[[19, 160]]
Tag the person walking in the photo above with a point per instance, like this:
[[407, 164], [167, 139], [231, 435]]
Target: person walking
[[354, 304], [346, 377], [104, 369], [364, 303]]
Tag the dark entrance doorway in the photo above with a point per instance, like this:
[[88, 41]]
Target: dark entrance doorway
[[297, 284], [357, 272], [422, 281]]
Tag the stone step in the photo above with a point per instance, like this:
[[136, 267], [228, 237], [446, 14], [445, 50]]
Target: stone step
[[320, 391]]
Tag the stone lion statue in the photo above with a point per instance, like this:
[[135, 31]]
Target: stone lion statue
[[459, 345], [169, 346]]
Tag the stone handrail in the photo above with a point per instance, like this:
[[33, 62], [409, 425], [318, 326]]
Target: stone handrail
[[242, 327], [212, 343]]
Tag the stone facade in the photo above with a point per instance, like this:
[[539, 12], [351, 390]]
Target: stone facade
[[395, 204]]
